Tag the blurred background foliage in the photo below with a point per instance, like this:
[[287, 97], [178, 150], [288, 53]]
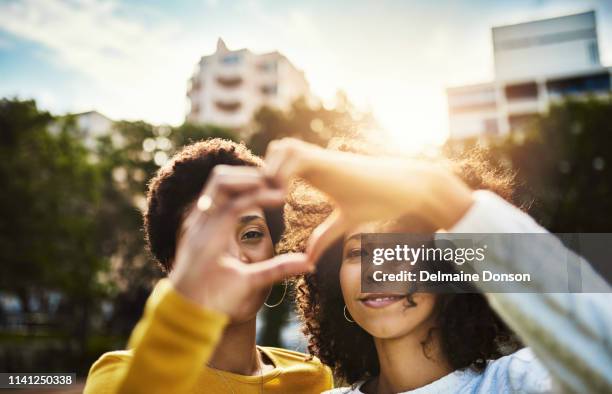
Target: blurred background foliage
[[563, 164], [74, 273]]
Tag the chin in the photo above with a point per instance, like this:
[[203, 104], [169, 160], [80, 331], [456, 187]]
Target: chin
[[396, 320], [389, 327]]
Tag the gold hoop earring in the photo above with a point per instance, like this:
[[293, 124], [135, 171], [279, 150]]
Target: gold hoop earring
[[346, 317], [282, 298]]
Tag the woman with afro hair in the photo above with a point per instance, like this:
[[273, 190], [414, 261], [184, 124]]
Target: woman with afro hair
[[421, 342]]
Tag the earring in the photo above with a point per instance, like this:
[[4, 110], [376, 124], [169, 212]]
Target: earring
[[282, 298], [346, 317]]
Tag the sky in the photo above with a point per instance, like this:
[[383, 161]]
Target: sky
[[131, 59]]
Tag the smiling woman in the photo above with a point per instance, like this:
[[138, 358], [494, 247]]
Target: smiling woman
[[468, 330], [430, 342]]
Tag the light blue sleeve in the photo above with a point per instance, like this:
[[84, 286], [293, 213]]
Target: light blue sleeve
[[570, 333], [518, 373]]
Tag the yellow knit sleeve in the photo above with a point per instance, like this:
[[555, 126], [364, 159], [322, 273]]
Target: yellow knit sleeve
[[170, 344]]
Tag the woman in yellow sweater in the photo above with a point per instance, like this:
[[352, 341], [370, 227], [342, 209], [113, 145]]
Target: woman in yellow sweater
[[197, 334]]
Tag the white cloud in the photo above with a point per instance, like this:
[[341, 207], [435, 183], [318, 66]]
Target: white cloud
[[395, 61], [136, 71]]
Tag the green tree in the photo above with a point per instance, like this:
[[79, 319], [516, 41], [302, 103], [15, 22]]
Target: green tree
[[563, 164], [71, 221], [314, 124], [49, 210]]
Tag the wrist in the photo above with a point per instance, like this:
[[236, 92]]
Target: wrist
[[446, 200], [195, 291], [311, 159]]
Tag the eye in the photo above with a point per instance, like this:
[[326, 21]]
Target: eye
[[251, 235], [354, 253]]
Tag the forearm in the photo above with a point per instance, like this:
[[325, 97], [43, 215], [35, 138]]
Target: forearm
[[170, 346], [569, 332]]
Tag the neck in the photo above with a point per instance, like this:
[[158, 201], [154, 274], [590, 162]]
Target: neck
[[237, 351], [406, 365]]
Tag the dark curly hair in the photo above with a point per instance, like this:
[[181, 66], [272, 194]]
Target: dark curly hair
[[177, 185], [469, 330]]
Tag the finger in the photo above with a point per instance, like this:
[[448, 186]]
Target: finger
[[261, 198], [281, 161], [223, 219], [268, 272], [227, 181], [325, 235], [224, 185], [275, 157]]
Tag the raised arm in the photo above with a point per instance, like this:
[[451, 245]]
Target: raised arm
[[185, 316], [571, 333]]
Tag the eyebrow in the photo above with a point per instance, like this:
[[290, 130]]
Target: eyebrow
[[354, 236], [249, 218]]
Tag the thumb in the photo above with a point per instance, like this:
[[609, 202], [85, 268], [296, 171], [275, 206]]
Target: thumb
[[325, 235]]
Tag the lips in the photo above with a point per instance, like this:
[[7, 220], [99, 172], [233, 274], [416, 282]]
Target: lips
[[376, 300]]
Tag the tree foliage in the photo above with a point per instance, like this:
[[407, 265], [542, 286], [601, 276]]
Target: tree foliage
[[563, 164], [314, 124]]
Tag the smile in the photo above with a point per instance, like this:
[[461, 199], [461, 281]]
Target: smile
[[380, 300]]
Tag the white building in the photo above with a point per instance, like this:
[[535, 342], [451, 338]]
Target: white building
[[228, 87], [536, 63], [93, 125]]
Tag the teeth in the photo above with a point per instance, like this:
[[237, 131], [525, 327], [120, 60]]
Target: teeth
[[379, 299]]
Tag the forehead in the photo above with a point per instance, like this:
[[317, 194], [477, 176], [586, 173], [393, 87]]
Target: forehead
[[373, 227]]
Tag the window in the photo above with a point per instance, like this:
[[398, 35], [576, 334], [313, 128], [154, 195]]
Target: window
[[588, 84], [472, 100], [269, 90], [457, 109], [521, 91], [233, 58], [268, 67]]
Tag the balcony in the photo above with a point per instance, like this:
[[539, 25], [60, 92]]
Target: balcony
[[229, 81], [194, 87], [228, 106]]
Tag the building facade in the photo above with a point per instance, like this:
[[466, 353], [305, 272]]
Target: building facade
[[228, 87], [536, 64]]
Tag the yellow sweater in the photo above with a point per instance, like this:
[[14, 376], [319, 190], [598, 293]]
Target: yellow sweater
[[171, 345]]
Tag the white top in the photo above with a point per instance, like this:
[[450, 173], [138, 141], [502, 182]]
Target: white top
[[569, 334], [520, 372]]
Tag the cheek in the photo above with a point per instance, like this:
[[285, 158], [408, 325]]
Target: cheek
[[260, 251]]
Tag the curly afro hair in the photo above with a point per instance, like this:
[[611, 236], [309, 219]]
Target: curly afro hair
[[470, 331], [177, 185]]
